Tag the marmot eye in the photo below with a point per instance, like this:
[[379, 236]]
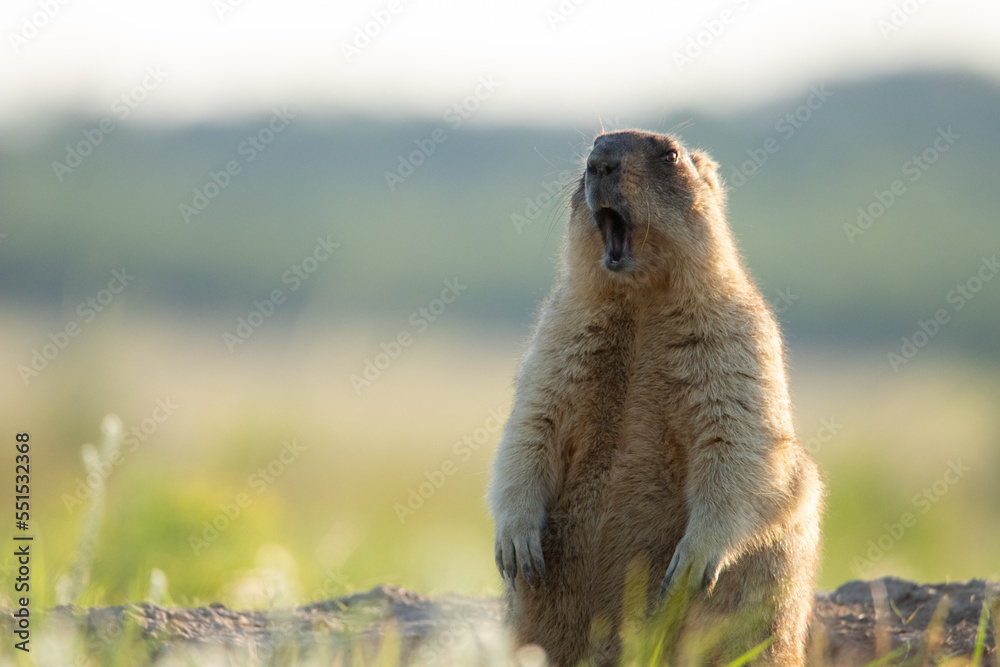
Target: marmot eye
[[671, 156]]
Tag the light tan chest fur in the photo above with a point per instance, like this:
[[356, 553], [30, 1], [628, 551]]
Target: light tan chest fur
[[628, 382]]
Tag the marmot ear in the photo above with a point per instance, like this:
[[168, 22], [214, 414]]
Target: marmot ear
[[707, 168]]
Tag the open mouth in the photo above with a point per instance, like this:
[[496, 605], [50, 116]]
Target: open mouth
[[614, 230]]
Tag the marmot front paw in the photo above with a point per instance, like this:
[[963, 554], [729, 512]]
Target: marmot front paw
[[699, 568], [519, 545]]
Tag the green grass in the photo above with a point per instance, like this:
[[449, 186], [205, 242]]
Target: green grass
[[327, 524], [332, 512]]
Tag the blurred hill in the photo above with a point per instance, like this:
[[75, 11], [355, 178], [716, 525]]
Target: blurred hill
[[453, 217]]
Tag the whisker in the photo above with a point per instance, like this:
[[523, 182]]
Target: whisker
[[556, 213], [544, 158], [676, 130]]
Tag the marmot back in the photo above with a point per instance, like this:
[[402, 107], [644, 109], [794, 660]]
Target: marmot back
[[652, 428]]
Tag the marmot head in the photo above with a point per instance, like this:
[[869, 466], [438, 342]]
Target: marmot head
[[644, 204]]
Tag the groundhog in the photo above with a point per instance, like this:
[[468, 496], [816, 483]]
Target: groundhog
[[652, 429]]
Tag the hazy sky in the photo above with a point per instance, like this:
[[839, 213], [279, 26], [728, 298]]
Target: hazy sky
[[538, 62]]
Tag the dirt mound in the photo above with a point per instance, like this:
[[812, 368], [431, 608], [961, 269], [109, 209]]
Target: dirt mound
[[855, 624], [863, 620]]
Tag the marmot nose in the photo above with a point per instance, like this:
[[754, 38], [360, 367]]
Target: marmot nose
[[603, 163]]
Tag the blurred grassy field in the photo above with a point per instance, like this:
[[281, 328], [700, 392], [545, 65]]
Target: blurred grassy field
[[325, 519], [329, 512]]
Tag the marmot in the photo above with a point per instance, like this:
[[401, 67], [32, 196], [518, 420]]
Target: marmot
[[651, 424]]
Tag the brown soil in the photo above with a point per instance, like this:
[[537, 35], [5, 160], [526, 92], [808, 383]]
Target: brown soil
[[857, 629], [850, 628]]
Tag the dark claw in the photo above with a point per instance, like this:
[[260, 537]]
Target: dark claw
[[535, 567], [663, 589], [668, 577], [540, 570], [710, 577], [512, 566]]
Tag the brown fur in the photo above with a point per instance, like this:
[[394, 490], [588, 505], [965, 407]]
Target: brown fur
[[652, 425]]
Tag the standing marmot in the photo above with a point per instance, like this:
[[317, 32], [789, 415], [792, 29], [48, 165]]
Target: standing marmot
[[652, 426]]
